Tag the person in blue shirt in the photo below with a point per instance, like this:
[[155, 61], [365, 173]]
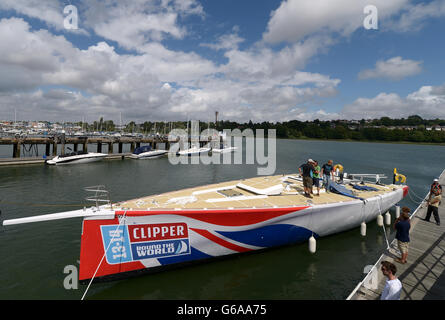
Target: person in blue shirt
[[327, 172], [402, 225]]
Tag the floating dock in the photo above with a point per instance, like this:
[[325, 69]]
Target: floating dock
[[423, 276], [41, 160], [52, 142]]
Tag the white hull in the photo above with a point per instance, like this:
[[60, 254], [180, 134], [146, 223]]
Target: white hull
[[193, 152], [77, 159], [149, 155], [337, 217], [225, 150]]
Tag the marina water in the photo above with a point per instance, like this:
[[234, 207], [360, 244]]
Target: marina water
[[33, 256]]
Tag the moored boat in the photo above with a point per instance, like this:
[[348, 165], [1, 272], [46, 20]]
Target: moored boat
[[146, 152], [222, 146], [224, 149], [194, 151], [201, 223], [76, 158]]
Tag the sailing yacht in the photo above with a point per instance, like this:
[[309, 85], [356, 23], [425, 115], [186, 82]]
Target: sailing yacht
[[201, 223]]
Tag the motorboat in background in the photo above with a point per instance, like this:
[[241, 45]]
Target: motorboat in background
[[222, 145], [194, 151], [76, 158], [224, 149], [146, 152]]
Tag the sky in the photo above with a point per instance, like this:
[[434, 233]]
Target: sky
[[258, 60]]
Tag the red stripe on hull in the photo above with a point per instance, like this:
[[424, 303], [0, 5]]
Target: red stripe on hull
[[405, 191], [229, 218], [92, 245], [220, 241]]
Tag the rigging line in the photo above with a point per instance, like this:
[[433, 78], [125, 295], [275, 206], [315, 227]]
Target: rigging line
[[414, 194], [418, 196], [415, 201], [105, 253]]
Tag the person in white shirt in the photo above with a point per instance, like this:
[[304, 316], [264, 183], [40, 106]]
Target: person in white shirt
[[393, 286]]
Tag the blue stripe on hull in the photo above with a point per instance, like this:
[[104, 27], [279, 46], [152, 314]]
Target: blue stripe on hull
[[270, 236], [194, 255], [266, 237]]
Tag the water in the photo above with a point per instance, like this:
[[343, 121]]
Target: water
[[33, 256]]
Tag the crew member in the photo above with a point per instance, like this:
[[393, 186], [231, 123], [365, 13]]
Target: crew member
[[433, 206], [327, 172], [306, 170]]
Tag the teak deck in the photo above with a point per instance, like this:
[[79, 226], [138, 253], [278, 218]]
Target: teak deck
[[208, 197]]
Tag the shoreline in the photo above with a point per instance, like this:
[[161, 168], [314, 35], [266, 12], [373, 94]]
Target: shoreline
[[367, 141]]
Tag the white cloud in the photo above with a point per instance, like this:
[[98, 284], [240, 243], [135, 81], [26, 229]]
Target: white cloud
[[128, 22], [134, 24], [135, 29], [301, 78], [228, 41], [414, 16], [319, 114], [260, 83], [100, 82], [296, 19], [264, 64], [25, 56], [172, 66], [428, 101], [395, 68], [49, 11]]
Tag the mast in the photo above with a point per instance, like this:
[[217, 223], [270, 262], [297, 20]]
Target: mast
[[120, 121]]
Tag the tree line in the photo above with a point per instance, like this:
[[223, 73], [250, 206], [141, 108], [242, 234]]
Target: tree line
[[411, 129]]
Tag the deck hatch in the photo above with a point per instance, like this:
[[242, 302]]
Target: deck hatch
[[230, 193]]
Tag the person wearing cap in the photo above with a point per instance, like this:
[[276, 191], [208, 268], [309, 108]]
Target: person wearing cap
[[306, 171], [435, 186], [433, 205], [393, 286], [327, 172]]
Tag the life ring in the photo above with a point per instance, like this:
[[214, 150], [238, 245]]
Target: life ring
[[339, 167], [400, 178]]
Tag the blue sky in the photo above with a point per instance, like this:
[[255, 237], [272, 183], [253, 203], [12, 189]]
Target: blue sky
[[269, 60]]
